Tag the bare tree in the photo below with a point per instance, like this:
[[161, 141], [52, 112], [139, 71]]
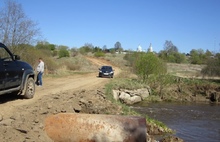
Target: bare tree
[[169, 47], [15, 27]]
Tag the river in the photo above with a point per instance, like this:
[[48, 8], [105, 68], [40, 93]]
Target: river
[[193, 122]]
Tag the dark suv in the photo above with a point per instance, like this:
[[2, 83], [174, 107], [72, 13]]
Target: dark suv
[[15, 76], [106, 71]]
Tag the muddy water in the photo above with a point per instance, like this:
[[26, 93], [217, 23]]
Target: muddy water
[[192, 122]]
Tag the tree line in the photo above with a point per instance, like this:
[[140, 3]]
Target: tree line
[[18, 32]]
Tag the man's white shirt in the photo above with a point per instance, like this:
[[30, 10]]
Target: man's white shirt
[[40, 67]]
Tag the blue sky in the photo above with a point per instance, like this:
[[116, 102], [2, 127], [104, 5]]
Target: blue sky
[[189, 24]]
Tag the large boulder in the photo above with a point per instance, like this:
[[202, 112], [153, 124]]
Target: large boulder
[[131, 96], [128, 99], [143, 93], [134, 99]]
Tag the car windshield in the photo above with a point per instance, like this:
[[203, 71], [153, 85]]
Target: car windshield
[[106, 68]]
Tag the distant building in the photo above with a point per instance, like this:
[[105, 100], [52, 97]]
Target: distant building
[[150, 49], [139, 49]]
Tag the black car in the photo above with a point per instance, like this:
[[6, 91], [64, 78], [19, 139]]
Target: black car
[[106, 71]]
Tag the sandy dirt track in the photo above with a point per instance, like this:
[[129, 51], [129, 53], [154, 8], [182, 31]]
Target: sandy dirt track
[[56, 85], [22, 119]]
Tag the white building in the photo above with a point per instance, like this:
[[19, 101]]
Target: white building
[[139, 49], [150, 49]]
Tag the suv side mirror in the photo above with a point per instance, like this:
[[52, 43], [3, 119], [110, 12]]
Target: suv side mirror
[[17, 57]]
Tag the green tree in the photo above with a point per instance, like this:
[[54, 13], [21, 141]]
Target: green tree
[[173, 57], [217, 55], [147, 64], [99, 54], [118, 47], [171, 54], [197, 56], [86, 48], [97, 49], [45, 45], [163, 55], [63, 51], [178, 57], [212, 67], [208, 53]]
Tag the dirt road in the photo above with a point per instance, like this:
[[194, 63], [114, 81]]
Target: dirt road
[[23, 120], [54, 85]]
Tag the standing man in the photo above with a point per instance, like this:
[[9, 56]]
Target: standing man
[[40, 71]]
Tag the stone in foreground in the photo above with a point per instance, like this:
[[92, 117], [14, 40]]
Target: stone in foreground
[[75, 127]]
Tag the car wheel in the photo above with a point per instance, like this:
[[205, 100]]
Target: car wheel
[[29, 89]]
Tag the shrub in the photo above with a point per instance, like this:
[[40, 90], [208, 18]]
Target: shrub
[[63, 53], [173, 57], [147, 64], [99, 54], [212, 67]]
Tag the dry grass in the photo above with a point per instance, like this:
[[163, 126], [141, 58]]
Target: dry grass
[[185, 70], [116, 59], [70, 65]]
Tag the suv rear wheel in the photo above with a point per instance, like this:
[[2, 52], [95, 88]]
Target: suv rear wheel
[[29, 89]]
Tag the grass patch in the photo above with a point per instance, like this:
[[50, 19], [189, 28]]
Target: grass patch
[[159, 124], [126, 83]]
